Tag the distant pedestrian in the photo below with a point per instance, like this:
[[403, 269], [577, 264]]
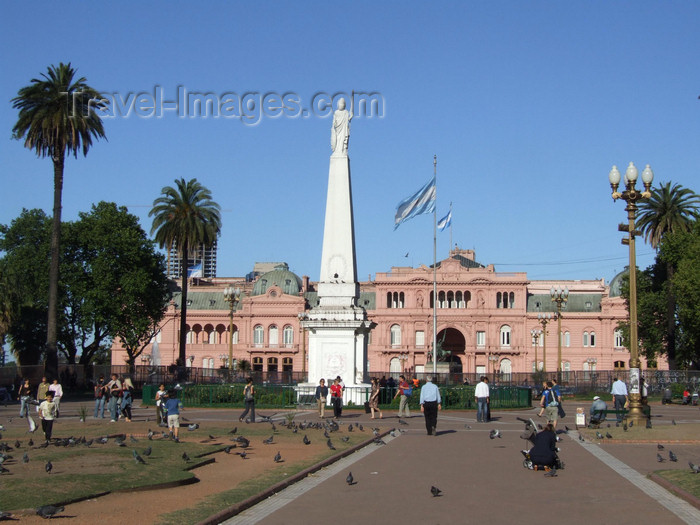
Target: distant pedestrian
[[127, 398], [173, 406], [404, 391], [249, 399], [114, 387], [481, 394], [41, 391], [337, 398], [100, 396], [619, 394], [321, 396], [374, 398], [57, 390], [24, 396], [550, 404], [430, 403], [161, 395], [47, 413]]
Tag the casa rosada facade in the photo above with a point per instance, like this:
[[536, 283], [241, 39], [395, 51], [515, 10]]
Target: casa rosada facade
[[484, 322]]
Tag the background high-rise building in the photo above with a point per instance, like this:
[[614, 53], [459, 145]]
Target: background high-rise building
[[205, 256]]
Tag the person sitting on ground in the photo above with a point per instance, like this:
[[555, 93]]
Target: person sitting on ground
[[598, 408], [686, 397], [543, 454]]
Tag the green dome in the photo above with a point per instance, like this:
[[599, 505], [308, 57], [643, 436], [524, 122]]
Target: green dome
[[288, 281], [616, 284]]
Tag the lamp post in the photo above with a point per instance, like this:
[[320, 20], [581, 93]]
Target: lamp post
[[493, 359], [403, 358], [536, 333], [232, 296], [302, 317], [560, 297], [630, 195], [223, 358], [544, 318]]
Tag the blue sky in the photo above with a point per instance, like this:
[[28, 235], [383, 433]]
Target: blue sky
[[526, 104]]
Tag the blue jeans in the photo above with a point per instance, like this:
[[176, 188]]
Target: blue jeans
[[113, 408], [100, 407], [24, 407], [482, 409]]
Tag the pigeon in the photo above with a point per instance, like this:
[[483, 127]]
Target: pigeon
[[193, 427], [211, 437], [673, 421], [306, 440], [149, 435], [25, 458], [660, 458], [695, 469], [435, 491], [495, 434], [329, 444], [228, 448], [147, 452], [274, 428], [362, 429], [235, 429], [672, 456], [659, 446], [599, 435], [4, 515], [631, 424], [325, 434], [350, 428], [551, 474], [566, 429], [608, 435], [580, 438], [243, 442], [243, 454], [138, 458], [648, 423], [104, 440], [402, 422], [268, 441], [49, 467], [624, 427], [345, 439], [88, 443], [18, 444], [350, 480], [278, 457], [30, 442], [47, 511], [185, 456], [133, 439], [3, 470], [468, 427]]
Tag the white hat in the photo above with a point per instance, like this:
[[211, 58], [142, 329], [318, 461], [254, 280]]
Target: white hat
[[596, 398]]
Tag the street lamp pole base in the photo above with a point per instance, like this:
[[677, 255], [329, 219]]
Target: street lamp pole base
[[636, 410]]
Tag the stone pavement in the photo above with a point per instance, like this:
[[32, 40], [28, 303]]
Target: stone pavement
[[483, 480]]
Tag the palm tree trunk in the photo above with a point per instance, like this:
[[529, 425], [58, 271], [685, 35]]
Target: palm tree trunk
[[182, 355], [51, 363], [670, 318]]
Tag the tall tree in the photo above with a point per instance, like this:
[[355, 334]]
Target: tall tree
[[184, 217], [671, 209], [57, 116]]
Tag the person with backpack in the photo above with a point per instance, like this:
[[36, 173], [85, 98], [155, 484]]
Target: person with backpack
[[100, 394], [550, 404], [405, 392], [249, 399]]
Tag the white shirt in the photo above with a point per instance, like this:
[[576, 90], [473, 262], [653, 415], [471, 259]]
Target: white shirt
[[482, 390], [619, 388], [57, 389]]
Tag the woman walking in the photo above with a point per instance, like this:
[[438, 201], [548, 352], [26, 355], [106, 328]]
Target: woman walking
[[249, 397], [127, 389], [57, 390], [374, 398], [25, 394]]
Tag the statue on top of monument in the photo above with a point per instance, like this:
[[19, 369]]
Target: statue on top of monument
[[340, 132]]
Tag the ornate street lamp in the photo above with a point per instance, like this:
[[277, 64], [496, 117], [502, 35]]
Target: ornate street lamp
[[544, 318], [302, 317], [536, 333], [403, 358], [493, 359], [630, 195], [560, 297], [232, 296]]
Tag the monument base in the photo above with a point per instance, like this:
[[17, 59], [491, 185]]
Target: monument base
[[427, 369]]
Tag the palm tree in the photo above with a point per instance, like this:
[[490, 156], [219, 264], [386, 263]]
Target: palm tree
[[57, 116], [185, 217], [670, 209]]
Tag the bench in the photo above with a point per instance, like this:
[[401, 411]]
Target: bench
[[306, 399], [611, 415]]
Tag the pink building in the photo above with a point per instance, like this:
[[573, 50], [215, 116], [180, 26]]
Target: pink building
[[484, 320]]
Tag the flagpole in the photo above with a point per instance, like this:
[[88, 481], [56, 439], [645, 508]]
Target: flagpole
[[450, 250], [435, 273]]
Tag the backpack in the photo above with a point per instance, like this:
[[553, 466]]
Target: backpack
[[408, 391]]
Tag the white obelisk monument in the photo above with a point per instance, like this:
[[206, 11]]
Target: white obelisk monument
[[338, 327]]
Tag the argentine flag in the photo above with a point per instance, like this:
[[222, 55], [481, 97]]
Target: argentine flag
[[423, 201], [445, 222], [195, 271]]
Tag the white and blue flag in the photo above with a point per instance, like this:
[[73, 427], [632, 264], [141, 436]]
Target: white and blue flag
[[423, 201], [445, 222], [195, 270]]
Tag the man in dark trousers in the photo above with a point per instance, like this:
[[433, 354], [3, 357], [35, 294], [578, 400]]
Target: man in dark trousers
[[430, 403]]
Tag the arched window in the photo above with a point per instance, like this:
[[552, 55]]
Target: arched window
[[467, 298], [189, 336], [197, 330], [506, 367], [288, 335], [274, 336], [441, 300], [511, 303], [401, 299], [388, 299], [272, 364], [395, 335], [619, 364], [567, 339], [257, 364], [451, 300], [287, 364], [505, 335], [592, 339], [235, 334], [585, 338], [258, 335], [499, 299], [505, 300], [395, 366], [617, 336]]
